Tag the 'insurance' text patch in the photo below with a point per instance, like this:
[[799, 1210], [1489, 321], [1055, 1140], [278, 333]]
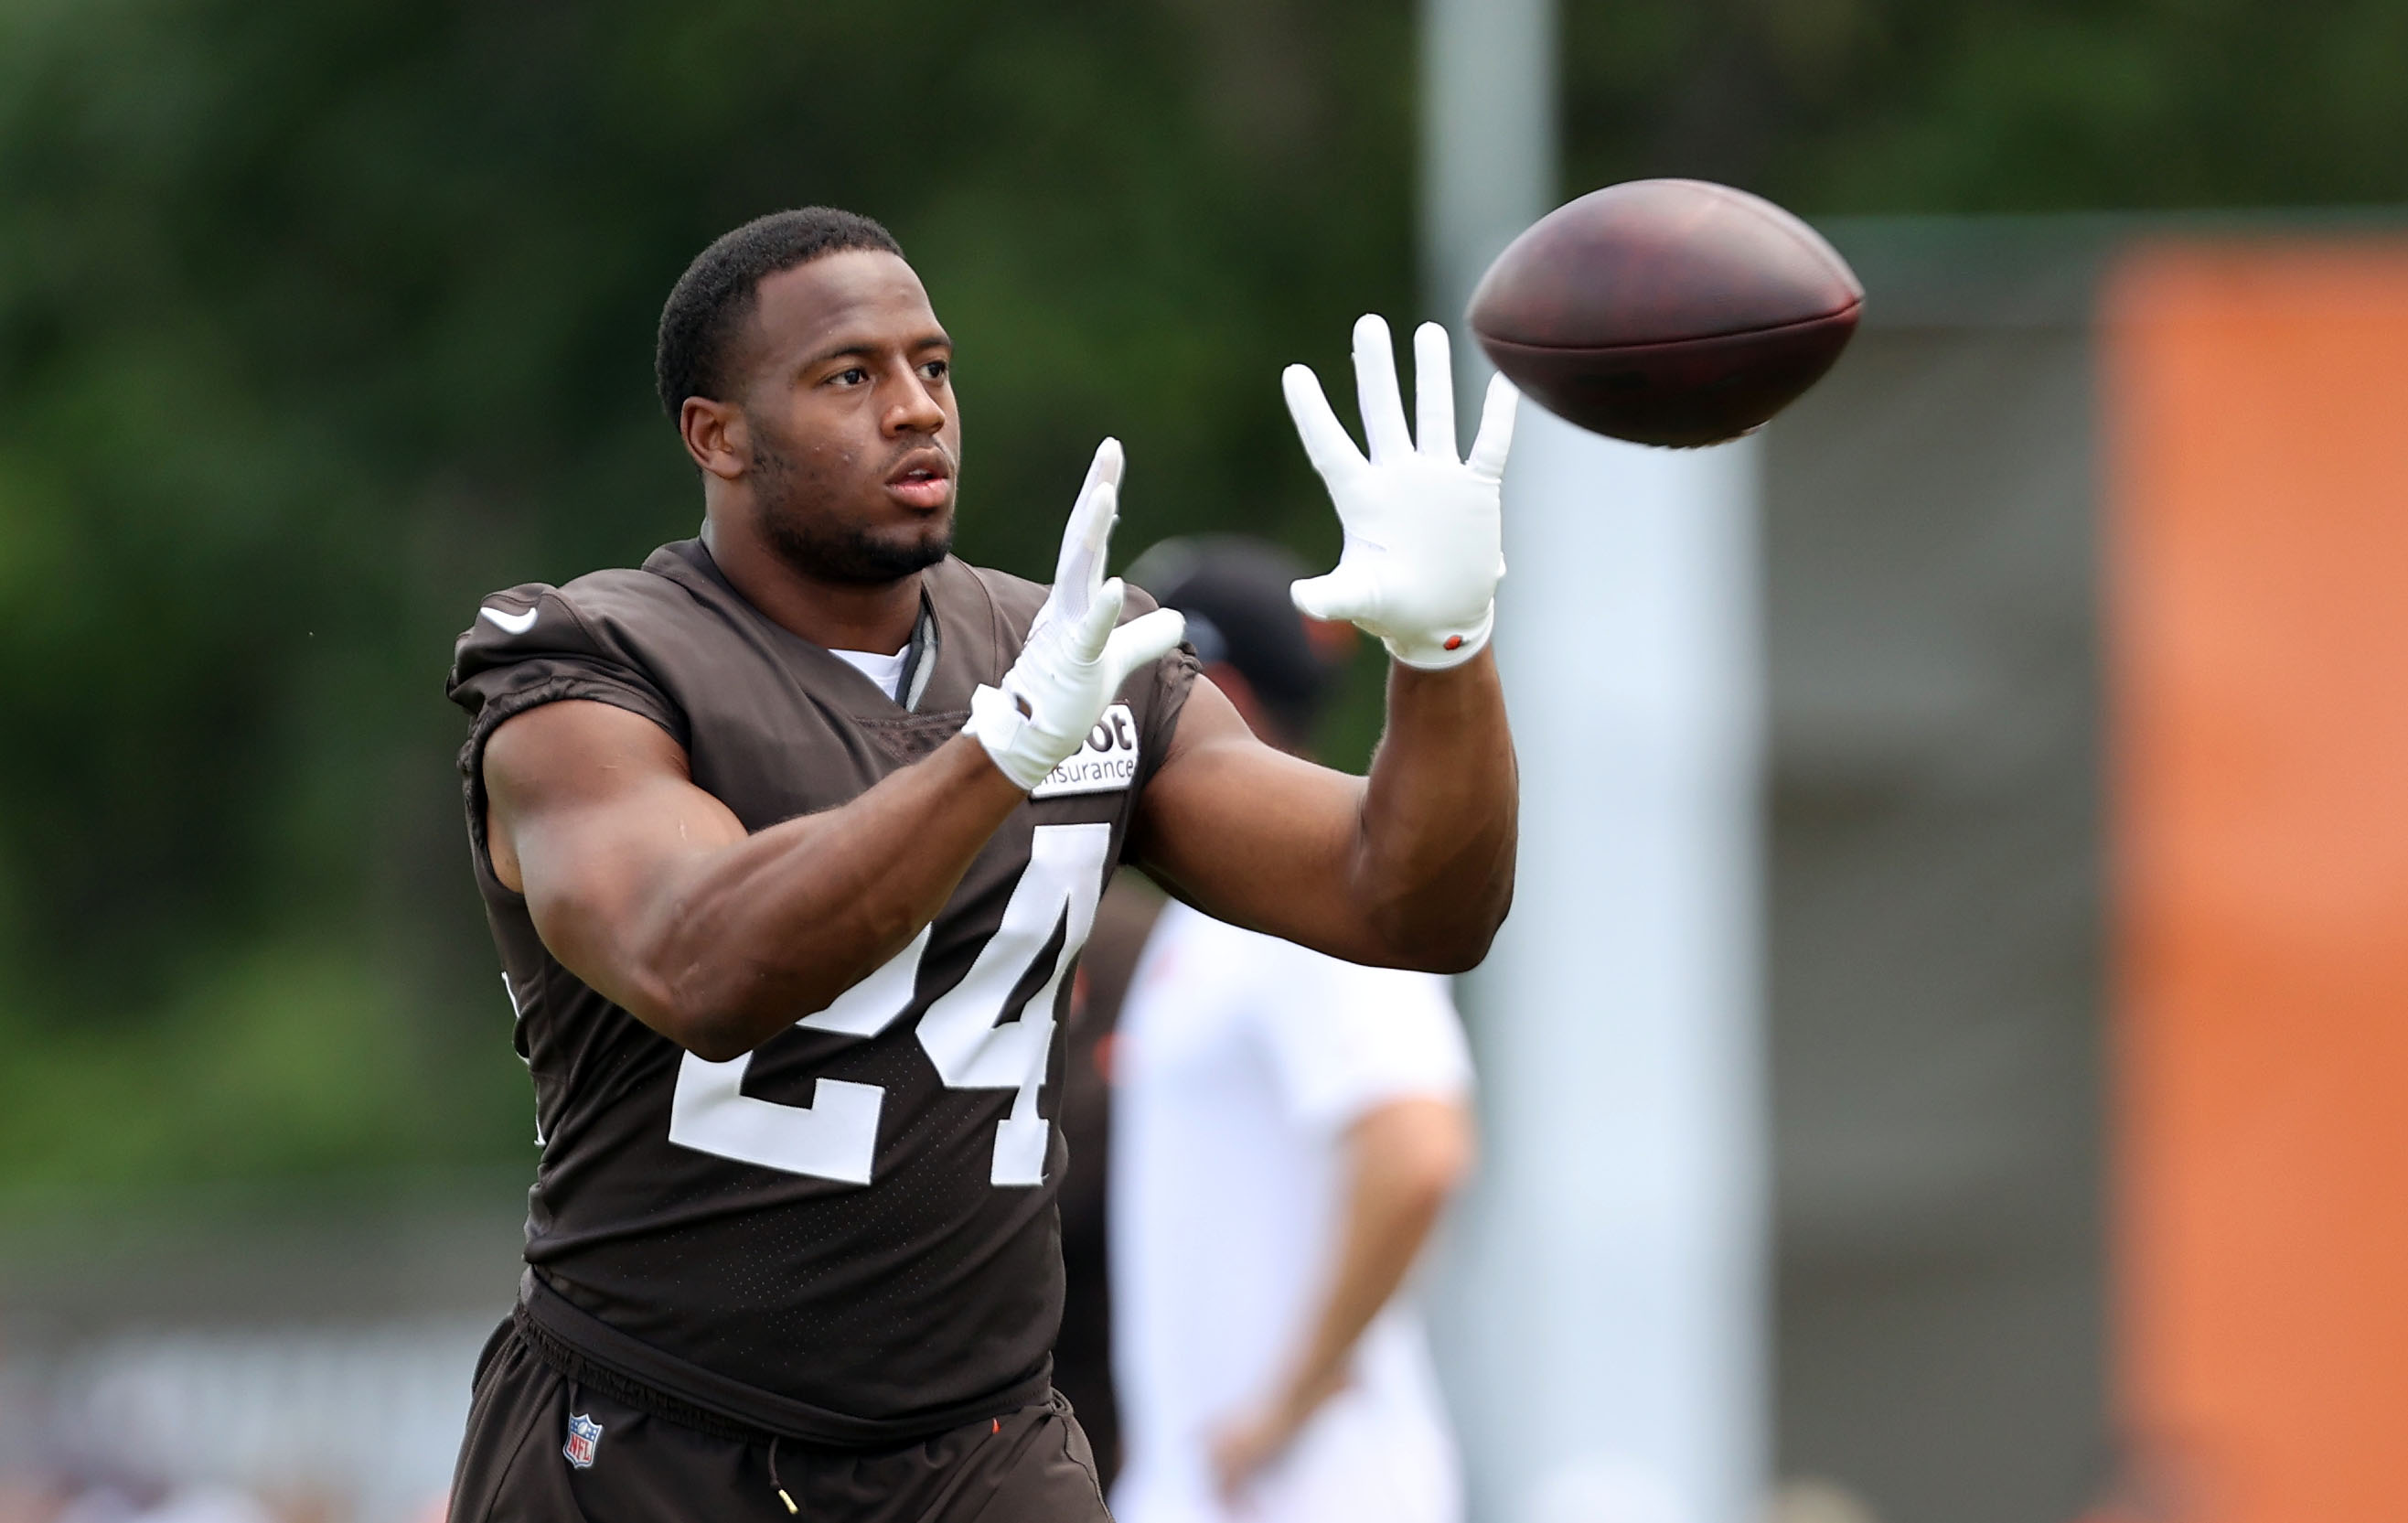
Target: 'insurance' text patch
[[1106, 763]]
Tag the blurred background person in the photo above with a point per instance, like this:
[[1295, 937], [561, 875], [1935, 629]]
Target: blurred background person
[[1286, 1130]]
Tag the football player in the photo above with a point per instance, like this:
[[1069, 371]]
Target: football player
[[789, 839]]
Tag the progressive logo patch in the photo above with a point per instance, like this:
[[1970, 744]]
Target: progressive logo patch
[[1106, 763]]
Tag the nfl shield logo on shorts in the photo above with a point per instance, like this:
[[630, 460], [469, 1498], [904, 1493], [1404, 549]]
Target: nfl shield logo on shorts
[[584, 1435]]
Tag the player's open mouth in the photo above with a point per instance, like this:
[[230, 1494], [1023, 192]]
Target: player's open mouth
[[926, 481]]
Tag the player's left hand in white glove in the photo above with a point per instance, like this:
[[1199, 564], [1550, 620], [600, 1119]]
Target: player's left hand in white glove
[[1075, 660], [1424, 542]]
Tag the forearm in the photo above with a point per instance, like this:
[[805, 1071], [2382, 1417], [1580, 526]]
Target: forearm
[[746, 940], [1381, 1240], [1408, 1158], [1432, 871]]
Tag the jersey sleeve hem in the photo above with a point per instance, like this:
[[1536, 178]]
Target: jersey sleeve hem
[[565, 687], [497, 684]]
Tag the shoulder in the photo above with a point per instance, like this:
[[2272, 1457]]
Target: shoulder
[[608, 615], [593, 637], [1014, 601], [669, 595], [1292, 981], [1341, 1038], [1242, 956], [627, 592]]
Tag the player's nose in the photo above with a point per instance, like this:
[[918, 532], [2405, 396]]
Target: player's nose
[[916, 409]]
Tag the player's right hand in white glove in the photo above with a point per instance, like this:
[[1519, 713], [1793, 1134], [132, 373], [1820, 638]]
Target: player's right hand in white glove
[[1075, 660], [1423, 540]]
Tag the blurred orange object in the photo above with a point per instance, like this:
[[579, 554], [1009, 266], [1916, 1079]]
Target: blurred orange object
[[2256, 419]]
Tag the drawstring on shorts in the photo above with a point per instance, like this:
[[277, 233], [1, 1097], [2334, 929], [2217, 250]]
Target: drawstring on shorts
[[776, 1486]]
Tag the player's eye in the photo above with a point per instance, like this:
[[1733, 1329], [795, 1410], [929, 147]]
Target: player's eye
[[937, 369], [852, 375]]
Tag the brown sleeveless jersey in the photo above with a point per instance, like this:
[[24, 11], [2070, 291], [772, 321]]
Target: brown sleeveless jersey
[[858, 1217]]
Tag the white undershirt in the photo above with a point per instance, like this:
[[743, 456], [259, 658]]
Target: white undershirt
[[885, 670], [1241, 1063]]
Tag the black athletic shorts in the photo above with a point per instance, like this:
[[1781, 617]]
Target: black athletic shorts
[[528, 1431]]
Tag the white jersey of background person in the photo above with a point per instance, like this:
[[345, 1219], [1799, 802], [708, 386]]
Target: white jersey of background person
[[1240, 1062]]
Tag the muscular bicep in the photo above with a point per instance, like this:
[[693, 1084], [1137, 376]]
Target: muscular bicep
[[590, 813], [1254, 836]]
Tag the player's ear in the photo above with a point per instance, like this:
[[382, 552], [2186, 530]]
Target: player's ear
[[716, 436]]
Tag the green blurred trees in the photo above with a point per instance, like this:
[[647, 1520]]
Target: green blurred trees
[[1984, 105], [319, 320]]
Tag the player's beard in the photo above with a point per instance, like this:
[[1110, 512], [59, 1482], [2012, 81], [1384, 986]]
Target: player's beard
[[816, 545]]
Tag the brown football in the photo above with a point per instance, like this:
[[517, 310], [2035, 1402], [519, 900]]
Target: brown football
[[1667, 312]]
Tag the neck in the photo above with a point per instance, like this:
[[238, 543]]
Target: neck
[[836, 615]]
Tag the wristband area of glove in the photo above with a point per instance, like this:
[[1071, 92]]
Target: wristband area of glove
[[999, 725], [1437, 655]]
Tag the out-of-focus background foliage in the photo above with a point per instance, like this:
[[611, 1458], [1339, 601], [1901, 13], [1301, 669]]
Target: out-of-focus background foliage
[[317, 321]]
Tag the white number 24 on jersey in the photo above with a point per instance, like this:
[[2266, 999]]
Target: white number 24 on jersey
[[835, 1135]]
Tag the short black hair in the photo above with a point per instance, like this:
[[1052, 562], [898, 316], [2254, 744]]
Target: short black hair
[[712, 301]]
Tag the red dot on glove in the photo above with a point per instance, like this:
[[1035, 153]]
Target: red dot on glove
[[1454, 642]]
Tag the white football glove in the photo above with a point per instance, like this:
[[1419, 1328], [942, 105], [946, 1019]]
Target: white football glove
[[1075, 660], [1424, 553]]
